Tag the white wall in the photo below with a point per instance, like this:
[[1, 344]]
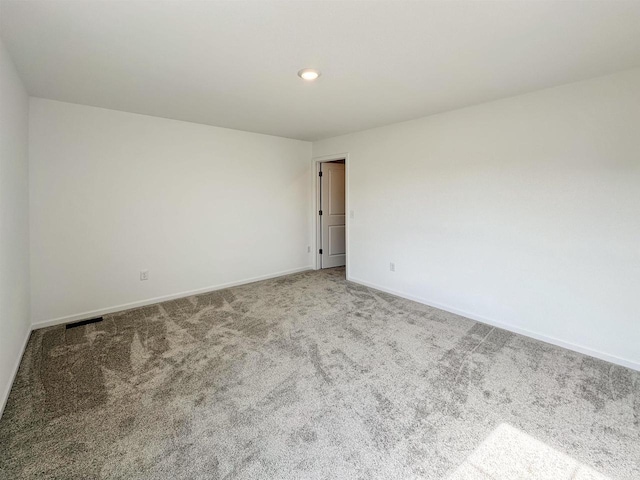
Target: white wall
[[14, 222], [113, 193], [523, 212]]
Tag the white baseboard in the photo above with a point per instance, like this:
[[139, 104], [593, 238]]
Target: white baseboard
[[521, 331], [16, 366], [164, 298]]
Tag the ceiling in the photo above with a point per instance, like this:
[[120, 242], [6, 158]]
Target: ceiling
[[233, 64]]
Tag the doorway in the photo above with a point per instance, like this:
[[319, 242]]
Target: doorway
[[331, 215]]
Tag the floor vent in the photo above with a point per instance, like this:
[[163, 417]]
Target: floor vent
[[83, 322]]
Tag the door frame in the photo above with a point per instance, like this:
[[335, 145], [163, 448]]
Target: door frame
[[316, 234]]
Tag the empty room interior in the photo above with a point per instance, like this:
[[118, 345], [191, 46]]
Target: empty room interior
[[320, 239]]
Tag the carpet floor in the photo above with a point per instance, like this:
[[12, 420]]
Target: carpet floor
[[309, 376]]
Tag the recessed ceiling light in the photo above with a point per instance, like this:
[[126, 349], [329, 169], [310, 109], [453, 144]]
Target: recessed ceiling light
[[308, 74]]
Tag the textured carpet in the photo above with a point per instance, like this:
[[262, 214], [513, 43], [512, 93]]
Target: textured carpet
[[307, 377]]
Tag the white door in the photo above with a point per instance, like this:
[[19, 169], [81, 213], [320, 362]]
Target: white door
[[332, 218]]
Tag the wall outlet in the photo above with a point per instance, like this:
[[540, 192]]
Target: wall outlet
[[144, 275], [352, 215], [392, 267], [308, 248]]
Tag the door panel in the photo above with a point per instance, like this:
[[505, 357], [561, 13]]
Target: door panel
[[332, 220], [335, 178], [336, 240]]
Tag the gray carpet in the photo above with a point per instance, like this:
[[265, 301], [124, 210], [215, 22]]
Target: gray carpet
[[312, 377]]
